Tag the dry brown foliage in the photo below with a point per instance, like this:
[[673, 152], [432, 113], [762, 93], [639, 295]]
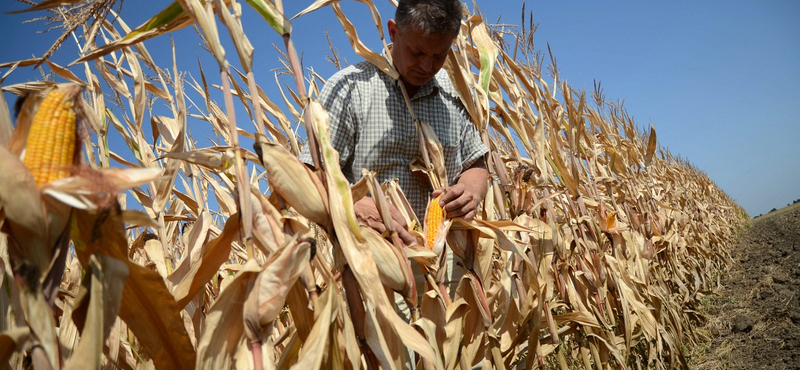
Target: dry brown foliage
[[589, 252]]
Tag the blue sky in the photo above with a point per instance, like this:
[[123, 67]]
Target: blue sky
[[719, 80]]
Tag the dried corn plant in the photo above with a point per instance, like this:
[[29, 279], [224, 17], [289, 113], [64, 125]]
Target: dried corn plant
[[593, 247]]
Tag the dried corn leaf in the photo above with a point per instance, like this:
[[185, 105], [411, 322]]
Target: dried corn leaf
[[316, 346], [65, 73], [6, 123], [39, 317], [214, 254], [147, 307], [207, 158], [279, 274], [360, 48], [454, 329], [47, 4], [243, 46], [23, 214], [11, 341], [223, 331], [651, 146], [108, 276]]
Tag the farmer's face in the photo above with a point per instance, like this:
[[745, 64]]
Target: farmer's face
[[417, 56]]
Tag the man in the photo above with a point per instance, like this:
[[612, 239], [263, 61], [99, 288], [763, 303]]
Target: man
[[371, 126]]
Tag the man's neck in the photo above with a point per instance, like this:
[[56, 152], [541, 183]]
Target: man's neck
[[410, 90]]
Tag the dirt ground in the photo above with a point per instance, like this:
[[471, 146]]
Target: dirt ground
[[754, 320]]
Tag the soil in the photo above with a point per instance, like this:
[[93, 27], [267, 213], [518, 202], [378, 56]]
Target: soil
[[753, 320]]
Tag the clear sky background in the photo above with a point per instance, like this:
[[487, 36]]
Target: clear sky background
[[719, 80]]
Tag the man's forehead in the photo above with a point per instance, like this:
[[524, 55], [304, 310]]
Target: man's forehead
[[420, 40], [410, 28]]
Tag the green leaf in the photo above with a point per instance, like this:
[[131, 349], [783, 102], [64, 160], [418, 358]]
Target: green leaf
[[163, 18], [170, 19], [270, 13]]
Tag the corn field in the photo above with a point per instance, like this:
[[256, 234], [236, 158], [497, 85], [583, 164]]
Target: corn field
[[592, 250]]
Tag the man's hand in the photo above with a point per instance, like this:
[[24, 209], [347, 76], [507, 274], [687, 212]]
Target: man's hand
[[368, 214], [459, 201], [463, 198]]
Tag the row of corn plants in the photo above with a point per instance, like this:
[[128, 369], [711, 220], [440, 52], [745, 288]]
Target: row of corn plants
[[593, 247]]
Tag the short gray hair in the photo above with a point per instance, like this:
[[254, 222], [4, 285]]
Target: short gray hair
[[438, 17]]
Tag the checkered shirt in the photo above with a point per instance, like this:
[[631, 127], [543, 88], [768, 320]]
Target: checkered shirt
[[371, 128]]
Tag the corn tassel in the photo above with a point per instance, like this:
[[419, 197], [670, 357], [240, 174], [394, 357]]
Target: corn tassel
[[50, 147], [434, 218]]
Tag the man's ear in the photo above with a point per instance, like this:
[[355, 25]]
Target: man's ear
[[392, 25]]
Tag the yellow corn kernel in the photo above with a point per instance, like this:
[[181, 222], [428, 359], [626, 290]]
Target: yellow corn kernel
[[434, 217], [50, 148]]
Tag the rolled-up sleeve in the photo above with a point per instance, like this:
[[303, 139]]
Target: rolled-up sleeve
[[472, 146]]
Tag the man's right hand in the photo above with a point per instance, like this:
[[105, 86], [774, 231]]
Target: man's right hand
[[368, 214]]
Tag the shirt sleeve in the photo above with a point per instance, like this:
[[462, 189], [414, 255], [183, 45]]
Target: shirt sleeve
[[472, 146], [335, 98]]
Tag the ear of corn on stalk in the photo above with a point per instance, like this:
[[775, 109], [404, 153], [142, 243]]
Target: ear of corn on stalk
[[300, 187], [390, 269], [50, 147], [434, 220]]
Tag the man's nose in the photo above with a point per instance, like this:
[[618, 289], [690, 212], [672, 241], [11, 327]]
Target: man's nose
[[426, 63]]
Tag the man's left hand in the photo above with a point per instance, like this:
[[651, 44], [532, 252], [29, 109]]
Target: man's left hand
[[459, 201], [463, 198]]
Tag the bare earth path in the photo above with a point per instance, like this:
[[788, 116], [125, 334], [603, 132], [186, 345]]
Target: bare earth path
[[754, 322]]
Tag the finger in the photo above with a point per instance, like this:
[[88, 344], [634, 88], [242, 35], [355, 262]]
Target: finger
[[405, 236], [403, 233], [375, 224], [397, 216], [365, 209], [453, 205], [470, 215], [451, 193], [463, 210], [459, 212]]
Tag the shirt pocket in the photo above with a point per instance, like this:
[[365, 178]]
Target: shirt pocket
[[451, 141], [452, 156]]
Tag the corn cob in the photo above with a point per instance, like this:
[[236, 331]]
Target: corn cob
[[390, 268], [50, 147], [434, 217], [292, 180]]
